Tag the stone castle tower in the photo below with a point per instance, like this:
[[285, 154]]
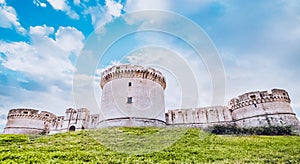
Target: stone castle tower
[[28, 121], [263, 108], [132, 96]]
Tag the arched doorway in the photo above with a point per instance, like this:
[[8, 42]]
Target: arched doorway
[[72, 128]]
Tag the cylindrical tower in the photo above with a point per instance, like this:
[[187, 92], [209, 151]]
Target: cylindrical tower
[[28, 121], [132, 96], [263, 108]]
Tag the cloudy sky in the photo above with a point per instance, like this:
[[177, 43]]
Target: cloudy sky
[[42, 42]]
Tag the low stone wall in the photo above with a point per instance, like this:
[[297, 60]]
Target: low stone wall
[[131, 122], [207, 115], [279, 119]]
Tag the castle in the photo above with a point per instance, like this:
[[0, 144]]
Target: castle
[[134, 96]]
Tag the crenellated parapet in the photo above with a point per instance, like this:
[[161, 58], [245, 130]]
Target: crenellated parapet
[[258, 97], [31, 114], [132, 71]]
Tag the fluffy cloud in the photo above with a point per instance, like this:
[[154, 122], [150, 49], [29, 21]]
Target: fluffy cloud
[[39, 3], [44, 53], [187, 7], [76, 2], [263, 51], [101, 15], [139, 5], [45, 61], [62, 5], [8, 18], [69, 39], [114, 8], [184, 72]]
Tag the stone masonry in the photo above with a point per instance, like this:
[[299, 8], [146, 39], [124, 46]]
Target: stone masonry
[[134, 96]]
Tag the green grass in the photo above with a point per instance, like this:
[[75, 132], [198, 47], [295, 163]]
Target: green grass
[[148, 145]]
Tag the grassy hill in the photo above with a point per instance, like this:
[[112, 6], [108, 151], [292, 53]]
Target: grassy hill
[[148, 145]]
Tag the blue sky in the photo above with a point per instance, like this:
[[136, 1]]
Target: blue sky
[[41, 40]]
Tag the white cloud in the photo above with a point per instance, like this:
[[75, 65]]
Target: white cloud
[[186, 7], [139, 5], [39, 3], [114, 8], [188, 82], [2, 2], [101, 15], [8, 18], [62, 5], [41, 30], [76, 2], [264, 51], [46, 61], [54, 100], [87, 92], [67, 35]]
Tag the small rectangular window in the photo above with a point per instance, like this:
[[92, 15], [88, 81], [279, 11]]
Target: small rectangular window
[[129, 84], [25, 112], [129, 100]]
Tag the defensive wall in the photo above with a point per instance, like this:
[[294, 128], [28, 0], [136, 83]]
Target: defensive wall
[[134, 96], [252, 109]]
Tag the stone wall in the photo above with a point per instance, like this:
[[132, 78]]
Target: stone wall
[[130, 121], [252, 109], [28, 121], [76, 118], [93, 121], [263, 109], [138, 100], [199, 117]]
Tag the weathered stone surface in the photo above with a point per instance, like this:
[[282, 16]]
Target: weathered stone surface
[[132, 92], [263, 109], [131, 121], [28, 121], [134, 96], [199, 117]]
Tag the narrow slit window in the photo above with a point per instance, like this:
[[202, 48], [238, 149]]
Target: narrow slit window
[[129, 84], [129, 100]]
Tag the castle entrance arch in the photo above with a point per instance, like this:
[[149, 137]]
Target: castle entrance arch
[[72, 128]]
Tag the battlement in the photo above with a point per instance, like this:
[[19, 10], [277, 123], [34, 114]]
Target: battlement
[[31, 114], [257, 97], [132, 71]]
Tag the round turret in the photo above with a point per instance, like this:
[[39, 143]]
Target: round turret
[[263, 108], [28, 121], [132, 96]]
